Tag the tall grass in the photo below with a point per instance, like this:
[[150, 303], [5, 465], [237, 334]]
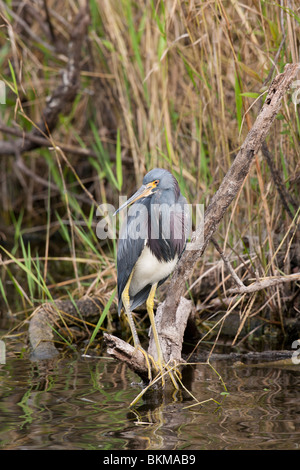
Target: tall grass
[[163, 83]]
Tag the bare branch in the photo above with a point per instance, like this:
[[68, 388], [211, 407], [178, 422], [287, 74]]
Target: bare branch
[[264, 284], [228, 190], [9, 148]]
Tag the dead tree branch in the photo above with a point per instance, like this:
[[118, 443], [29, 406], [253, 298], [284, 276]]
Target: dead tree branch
[[264, 284], [172, 313], [228, 190], [9, 148], [124, 352]]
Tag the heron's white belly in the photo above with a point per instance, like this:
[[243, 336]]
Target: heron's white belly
[[148, 270]]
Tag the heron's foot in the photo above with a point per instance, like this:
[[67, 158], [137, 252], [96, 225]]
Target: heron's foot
[[161, 368], [171, 370], [148, 358]]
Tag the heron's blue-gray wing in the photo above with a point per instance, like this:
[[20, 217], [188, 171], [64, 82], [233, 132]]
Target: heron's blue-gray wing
[[131, 243], [186, 222], [170, 229]]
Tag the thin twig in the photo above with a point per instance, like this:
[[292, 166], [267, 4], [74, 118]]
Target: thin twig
[[8, 148], [51, 29], [285, 196], [235, 277], [265, 284]]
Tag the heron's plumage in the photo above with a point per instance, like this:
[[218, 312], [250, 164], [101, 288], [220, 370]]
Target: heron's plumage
[[152, 238]]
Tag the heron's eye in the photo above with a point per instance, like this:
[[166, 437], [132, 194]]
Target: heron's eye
[[153, 184]]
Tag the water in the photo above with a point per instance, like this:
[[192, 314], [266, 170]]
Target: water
[[81, 403]]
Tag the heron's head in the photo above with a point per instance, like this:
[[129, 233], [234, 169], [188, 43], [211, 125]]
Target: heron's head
[[157, 179]]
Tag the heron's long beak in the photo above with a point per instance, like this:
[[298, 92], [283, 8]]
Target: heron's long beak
[[144, 191]]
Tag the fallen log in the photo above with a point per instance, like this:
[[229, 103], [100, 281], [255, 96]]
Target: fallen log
[[41, 333], [47, 316]]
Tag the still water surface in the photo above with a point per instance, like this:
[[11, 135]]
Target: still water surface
[[83, 403]]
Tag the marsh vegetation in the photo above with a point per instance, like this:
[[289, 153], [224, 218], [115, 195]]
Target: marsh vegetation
[[97, 95]]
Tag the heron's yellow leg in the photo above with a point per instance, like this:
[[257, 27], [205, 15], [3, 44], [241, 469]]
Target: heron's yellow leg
[[136, 341], [160, 359], [126, 303], [150, 306]]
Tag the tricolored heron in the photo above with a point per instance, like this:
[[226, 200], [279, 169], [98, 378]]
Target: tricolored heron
[[152, 239]]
